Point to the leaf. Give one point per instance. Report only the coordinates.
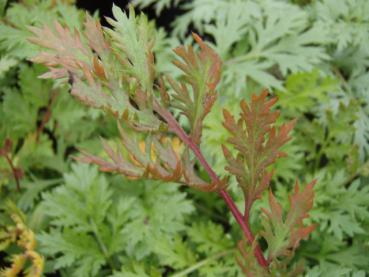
(84, 221)
(14, 33)
(209, 237)
(159, 5)
(202, 73)
(305, 90)
(346, 21)
(94, 68)
(136, 270)
(340, 210)
(175, 253)
(157, 160)
(6, 63)
(77, 249)
(283, 234)
(257, 142)
(135, 37)
(160, 212)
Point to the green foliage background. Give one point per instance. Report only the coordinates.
(313, 55)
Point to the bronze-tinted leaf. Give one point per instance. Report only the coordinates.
(257, 142)
(284, 233)
(195, 95)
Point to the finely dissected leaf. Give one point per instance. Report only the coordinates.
(194, 95)
(175, 253)
(94, 70)
(210, 237)
(346, 21)
(260, 41)
(202, 73)
(160, 212)
(159, 5)
(304, 90)
(284, 233)
(93, 67)
(257, 142)
(19, 15)
(340, 209)
(135, 37)
(83, 235)
(247, 261)
(157, 159)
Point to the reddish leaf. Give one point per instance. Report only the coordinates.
(257, 141)
(94, 70)
(155, 159)
(283, 234)
(202, 73)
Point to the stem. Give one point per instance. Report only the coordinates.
(202, 263)
(177, 129)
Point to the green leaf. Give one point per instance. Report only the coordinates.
(209, 237)
(135, 36)
(174, 253)
(306, 90)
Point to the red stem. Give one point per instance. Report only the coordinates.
(178, 130)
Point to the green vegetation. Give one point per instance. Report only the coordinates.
(149, 203)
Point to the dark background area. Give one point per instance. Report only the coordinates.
(104, 7)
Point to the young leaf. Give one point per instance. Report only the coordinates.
(283, 234)
(135, 37)
(202, 73)
(156, 159)
(257, 142)
(94, 68)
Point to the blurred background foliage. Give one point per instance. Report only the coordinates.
(313, 55)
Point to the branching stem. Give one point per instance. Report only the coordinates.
(178, 130)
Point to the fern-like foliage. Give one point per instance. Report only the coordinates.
(85, 241)
(137, 107)
(114, 70)
(19, 16)
(257, 142)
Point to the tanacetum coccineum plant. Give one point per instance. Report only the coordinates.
(114, 70)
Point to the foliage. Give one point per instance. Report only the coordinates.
(161, 124)
(79, 239)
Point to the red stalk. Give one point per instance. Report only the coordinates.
(178, 130)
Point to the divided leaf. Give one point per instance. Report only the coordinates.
(257, 142)
(202, 73)
(135, 36)
(156, 159)
(284, 233)
(93, 63)
(94, 68)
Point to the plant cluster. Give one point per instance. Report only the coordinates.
(202, 186)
